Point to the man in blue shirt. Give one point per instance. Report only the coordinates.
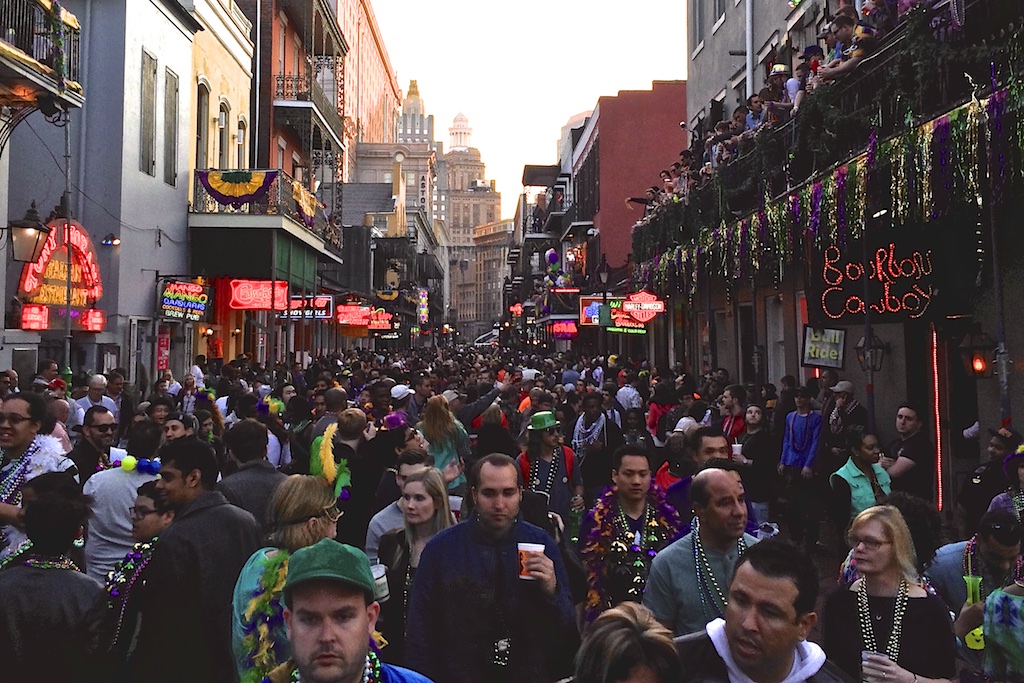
(799, 444)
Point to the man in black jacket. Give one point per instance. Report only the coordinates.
(252, 487)
(764, 634)
(186, 602)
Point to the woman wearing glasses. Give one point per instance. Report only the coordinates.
(27, 451)
(304, 510)
(151, 514)
(884, 627)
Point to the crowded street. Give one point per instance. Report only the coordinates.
(721, 387)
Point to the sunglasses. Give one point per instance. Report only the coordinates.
(103, 429)
(1005, 534)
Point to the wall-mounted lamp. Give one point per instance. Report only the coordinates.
(28, 236)
(209, 332)
(222, 119)
(111, 240)
(870, 353)
(237, 331)
(976, 351)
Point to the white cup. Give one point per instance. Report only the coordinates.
(737, 449)
(525, 550)
(381, 592)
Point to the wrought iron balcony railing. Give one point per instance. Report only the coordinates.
(34, 28)
(263, 192)
(304, 88)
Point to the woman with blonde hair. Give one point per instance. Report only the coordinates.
(426, 512)
(868, 625)
(448, 439)
(626, 643)
(303, 511)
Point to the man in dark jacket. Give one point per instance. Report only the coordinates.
(252, 487)
(472, 407)
(773, 577)
(481, 611)
(186, 602)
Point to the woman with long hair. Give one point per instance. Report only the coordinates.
(760, 458)
(665, 398)
(185, 399)
(492, 436)
(425, 512)
(634, 433)
(447, 437)
(299, 419)
(304, 510)
(279, 451)
(903, 632)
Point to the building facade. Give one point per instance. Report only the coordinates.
(491, 242)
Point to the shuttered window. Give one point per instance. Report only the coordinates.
(147, 123)
(170, 128)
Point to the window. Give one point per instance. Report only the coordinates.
(240, 145)
(718, 10)
(281, 145)
(170, 127)
(147, 123)
(202, 126)
(223, 137)
(697, 22)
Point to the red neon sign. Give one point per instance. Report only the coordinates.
(902, 290)
(85, 272)
(35, 317)
(93, 320)
(354, 315)
(380, 319)
(516, 309)
(254, 295)
(563, 329)
(643, 306)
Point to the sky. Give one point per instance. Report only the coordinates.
(520, 69)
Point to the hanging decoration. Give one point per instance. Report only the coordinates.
(305, 203)
(234, 188)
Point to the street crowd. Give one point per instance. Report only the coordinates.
(467, 516)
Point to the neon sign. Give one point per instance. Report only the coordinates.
(423, 306)
(44, 283)
(315, 307)
(353, 315)
(516, 309)
(643, 306)
(254, 295)
(563, 329)
(186, 301)
(632, 320)
(900, 284)
(380, 319)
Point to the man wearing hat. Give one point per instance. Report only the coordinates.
(330, 614)
(549, 467)
(845, 412)
(986, 482)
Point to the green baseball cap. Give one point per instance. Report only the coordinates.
(328, 560)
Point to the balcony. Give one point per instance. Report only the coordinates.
(252, 196)
(303, 91)
(39, 56)
(923, 68)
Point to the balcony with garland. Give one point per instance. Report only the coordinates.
(927, 128)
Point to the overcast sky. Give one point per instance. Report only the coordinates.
(520, 69)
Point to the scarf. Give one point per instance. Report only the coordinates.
(583, 436)
(835, 420)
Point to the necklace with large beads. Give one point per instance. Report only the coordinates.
(867, 629)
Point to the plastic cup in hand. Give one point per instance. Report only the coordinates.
(381, 592)
(525, 550)
(865, 677)
(737, 451)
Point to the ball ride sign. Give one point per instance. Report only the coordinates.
(823, 348)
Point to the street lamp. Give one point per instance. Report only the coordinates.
(602, 276)
(870, 352)
(28, 236)
(976, 352)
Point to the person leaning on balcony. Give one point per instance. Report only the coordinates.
(861, 38)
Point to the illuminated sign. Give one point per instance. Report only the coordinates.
(565, 290)
(186, 301)
(254, 295)
(380, 319)
(313, 307)
(44, 283)
(643, 306)
(626, 330)
(353, 315)
(423, 306)
(516, 309)
(563, 329)
(898, 284)
(35, 317)
(388, 335)
(823, 348)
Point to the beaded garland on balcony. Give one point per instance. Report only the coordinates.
(235, 188)
(940, 159)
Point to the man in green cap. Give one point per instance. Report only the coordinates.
(549, 467)
(330, 614)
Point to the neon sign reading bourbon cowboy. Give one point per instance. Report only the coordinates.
(902, 284)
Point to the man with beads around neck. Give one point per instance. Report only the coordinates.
(624, 532)
(689, 580)
(994, 554)
(330, 613)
